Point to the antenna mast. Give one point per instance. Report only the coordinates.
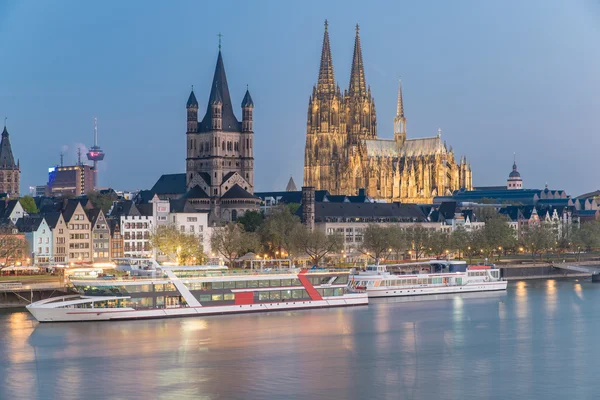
(95, 132)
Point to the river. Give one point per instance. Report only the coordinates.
(539, 340)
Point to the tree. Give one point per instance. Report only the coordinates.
(418, 238)
(587, 237)
(278, 231)
(497, 236)
(184, 248)
(232, 241)
(317, 244)
(538, 238)
(439, 242)
(103, 201)
(460, 240)
(28, 204)
(293, 207)
(378, 241)
(13, 246)
(252, 220)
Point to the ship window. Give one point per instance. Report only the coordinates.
(263, 283)
(229, 296)
(338, 291)
(160, 301)
(205, 297)
(263, 295)
(159, 287)
(320, 291)
(217, 285)
(275, 295)
(296, 282)
(297, 293)
(252, 284)
(275, 282)
(341, 280)
(217, 297)
(286, 294)
(324, 280)
(328, 292)
(286, 282)
(240, 284)
(229, 285)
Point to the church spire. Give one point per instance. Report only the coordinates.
(219, 95)
(6, 155)
(326, 83)
(357, 75)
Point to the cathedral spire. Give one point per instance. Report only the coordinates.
(326, 83)
(400, 120)
(400, 106)
(357, 75)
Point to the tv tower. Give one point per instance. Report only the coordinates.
(95, 153)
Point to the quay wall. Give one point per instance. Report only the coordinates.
(540, 271)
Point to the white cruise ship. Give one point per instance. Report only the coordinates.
(422, 279)
(159, 292)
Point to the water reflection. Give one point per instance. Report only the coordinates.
(537, 340)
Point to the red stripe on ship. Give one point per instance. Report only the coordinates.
(312, 292)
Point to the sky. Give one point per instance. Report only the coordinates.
(497, 77)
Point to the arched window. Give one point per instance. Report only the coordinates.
(223, 146)
(234, 215)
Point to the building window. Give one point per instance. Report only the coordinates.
(182, 228)
(234, 215)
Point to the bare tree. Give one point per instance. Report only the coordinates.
(317, 244)
(13, 246)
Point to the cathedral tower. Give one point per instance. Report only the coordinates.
(10, 172)
(325, 128)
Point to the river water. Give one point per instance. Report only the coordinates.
(539, 340)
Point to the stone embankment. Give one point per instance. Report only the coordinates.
(544, 270)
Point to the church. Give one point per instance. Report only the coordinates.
(343, 153)
(220, 152)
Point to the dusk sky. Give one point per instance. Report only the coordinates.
(496, 77)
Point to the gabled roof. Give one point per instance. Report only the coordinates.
(228, 175)
(7, 207)
(52, 219)
(447, 209)
(94, 214)
(170, 184)
(194, 193)
(220, 92)
(237, 192)
(29, 224)
(124, 208)
(145, 209)
(144, 196)
(113, 223)
(70, 208)
(181, 206)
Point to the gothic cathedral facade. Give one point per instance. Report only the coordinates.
(343, 153)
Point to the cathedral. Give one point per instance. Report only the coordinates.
(220, 151)
(10, 172)
(343, 153)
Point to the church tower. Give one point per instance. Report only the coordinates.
(325, 128)
(10, 173)
(400, 120)
(219, 147)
